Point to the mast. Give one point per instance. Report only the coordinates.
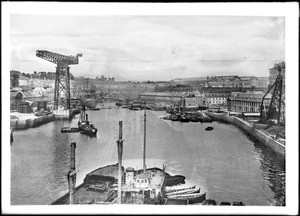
(144, 155)
(120, 151)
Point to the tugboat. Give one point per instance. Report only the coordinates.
(88, 129)
(85, 126)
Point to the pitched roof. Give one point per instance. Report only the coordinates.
(251, 96)
(246, 78)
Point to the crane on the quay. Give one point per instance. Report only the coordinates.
(273, 110)
(62, 78)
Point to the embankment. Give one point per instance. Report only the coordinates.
(251, 130)
(29, 122)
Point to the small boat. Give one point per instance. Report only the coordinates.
(192, 198)
(184, 119)
(209, 128)
(225, 204)
(175, 180)
(174, 189)
(188, 191)
(69, 130)
(209, 202)
(134, 108)
(95, 108)
(193, 119)
(238, 204)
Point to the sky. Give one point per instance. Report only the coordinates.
(141, 48)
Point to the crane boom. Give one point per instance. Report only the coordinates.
(58, 58)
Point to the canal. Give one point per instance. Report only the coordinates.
(224, 162)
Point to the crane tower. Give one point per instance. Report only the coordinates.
(275, 106)
(62, 78)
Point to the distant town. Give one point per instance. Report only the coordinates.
(235, 93)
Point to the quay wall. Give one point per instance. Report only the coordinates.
(249, 128)
(21, 124)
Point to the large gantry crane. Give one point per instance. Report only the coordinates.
(62, 78)
(273, 111)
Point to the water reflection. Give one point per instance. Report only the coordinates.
(273, 170)
(224, 162)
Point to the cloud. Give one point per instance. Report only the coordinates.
(150, 47)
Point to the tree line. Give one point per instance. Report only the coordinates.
(37, 75)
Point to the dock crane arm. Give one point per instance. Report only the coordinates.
(58, 58)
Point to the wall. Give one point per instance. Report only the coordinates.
(20, 124)
(62, 113)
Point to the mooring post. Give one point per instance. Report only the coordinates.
(120, 151)
(72, 174)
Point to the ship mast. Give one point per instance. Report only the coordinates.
(144, 155)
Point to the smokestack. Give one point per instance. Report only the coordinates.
(72, 174)
(120, 151)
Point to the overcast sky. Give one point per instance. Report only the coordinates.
(150, 47)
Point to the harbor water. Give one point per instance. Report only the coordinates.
(224, 162)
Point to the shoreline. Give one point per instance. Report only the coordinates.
(259, 135)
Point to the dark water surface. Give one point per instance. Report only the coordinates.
(224, 162)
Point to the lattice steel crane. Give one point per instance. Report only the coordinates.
(62, 78)
(274, 108)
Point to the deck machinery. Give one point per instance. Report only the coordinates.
(273, 110)
(62, 78)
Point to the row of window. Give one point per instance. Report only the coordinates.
(141, 181)
(246, 103)
(245, 109)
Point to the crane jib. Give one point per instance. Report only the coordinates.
(58, 58)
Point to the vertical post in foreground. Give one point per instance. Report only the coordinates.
(120, 151)
(144, 154)
(72, 174)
